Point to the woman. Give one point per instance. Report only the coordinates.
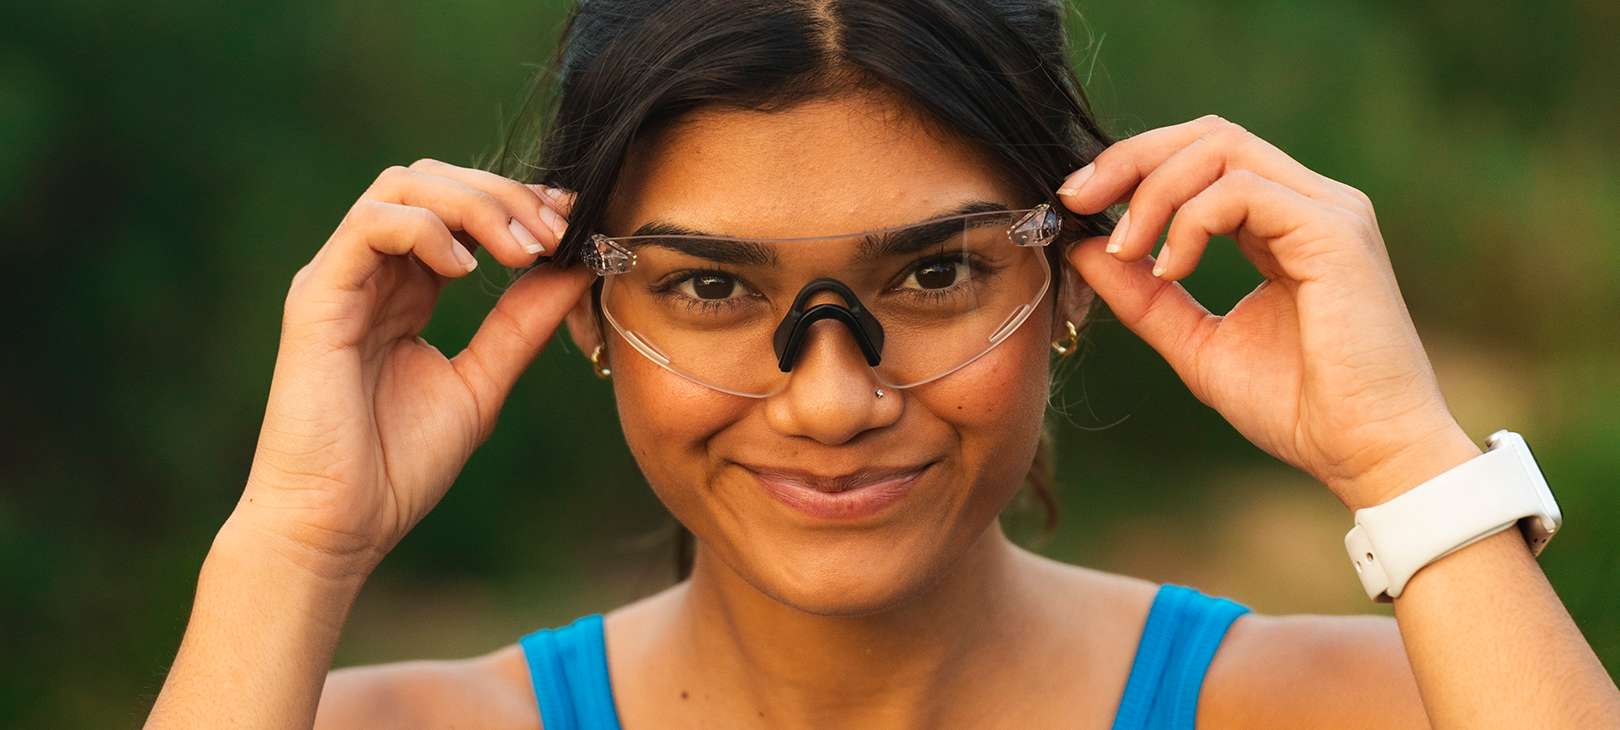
(840, 420)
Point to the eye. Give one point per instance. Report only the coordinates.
(936, 275)
(711, 286)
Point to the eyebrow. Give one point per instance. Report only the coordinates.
(703, 245)
(911, 238)
(921, 237)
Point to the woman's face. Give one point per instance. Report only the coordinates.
(824, 496)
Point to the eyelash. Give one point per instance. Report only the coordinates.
(667, 289)
(978, 268)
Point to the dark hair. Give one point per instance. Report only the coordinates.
(995, 73)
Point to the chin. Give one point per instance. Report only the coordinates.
(853, 573)
(823, 589)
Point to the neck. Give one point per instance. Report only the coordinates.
(891, 668)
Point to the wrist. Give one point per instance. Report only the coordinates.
(1417, 463)
(256, 535)
(263, 628)
(246, 565)
(1475, 500)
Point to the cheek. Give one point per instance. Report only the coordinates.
(996, 406)
(668, 421)
(997, 402)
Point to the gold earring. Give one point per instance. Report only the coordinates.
(1066, 346)
(598, 365)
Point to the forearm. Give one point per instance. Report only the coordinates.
(1493, 647)
(260, 640)
(1490, 644)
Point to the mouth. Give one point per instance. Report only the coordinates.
(847, 497)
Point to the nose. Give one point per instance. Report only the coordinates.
(831, 395)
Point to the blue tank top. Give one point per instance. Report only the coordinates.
(1184, 628)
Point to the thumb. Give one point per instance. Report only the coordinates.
(516, 331)
(1161, 312)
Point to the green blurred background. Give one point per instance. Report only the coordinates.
(166, 166)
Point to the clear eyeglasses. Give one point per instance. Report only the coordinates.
(919, 301)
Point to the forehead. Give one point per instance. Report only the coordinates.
(825, 167)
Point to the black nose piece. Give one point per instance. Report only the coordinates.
(866, 330)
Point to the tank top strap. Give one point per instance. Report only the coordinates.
(569, 669)
(568, 666)
(1184, 628)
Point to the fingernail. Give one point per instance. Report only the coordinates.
(1116, 240)
(1077, 180)
(1163, 261)
(553, 221)
(524, 238)
(557, 196)
(463, 256)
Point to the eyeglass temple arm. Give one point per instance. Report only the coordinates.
(865, 328)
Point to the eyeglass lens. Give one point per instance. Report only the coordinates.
(944, 291)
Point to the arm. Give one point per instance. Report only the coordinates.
(365, 428)
(1492, 645)
(1294, 672)
(491, 691)
(1321, 367)
(261, 635)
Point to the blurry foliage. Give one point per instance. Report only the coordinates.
(166, 166)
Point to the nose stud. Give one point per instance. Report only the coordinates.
(880, 392)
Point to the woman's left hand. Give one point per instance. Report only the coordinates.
(1320, 365)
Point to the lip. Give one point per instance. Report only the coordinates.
(848, 497)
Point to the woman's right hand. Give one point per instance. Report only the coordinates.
(367, 424)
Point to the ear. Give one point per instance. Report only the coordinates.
(1074, 302)
(582, 322)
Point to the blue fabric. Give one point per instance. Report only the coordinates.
(1184, 628)
(570, 674)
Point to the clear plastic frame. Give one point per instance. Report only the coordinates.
(719, 310)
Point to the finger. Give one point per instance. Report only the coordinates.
(374, 230)
(558, 199)
(1115, 176)
(1216, 210)
(540, 224)
(517, 330)
(1110, 177)
(461, 207)
(1285, 234)
(1161, 312)
(1198, 165)
(559, 206)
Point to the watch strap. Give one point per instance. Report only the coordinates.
(1477, 499)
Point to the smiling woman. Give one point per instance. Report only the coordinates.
(954, 447)
(827, 248)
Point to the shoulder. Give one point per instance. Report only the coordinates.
(491, 692)
(1311, 672)
(1294, 672)
(1098, 593)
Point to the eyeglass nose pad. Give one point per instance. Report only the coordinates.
(790, 334)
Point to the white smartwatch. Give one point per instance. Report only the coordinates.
(1483, 496)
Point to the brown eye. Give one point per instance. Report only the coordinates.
(937, 275)
(710, 286)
